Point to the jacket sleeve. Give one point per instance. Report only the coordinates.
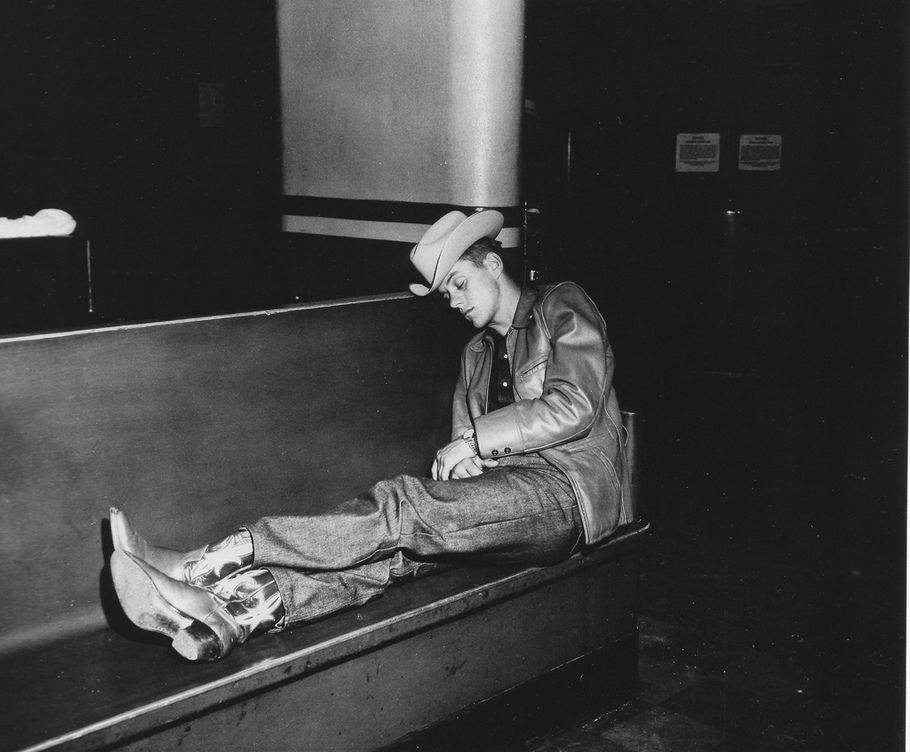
(579, 372)
(461, 417)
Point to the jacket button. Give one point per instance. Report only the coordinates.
(494, 452)
(507, 450)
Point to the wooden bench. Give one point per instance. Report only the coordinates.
(195, 427)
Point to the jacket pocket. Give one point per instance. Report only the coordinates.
(532, 369)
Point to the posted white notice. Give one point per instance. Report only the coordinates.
(697, 152)
(758, 152)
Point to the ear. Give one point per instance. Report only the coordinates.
(493, 262)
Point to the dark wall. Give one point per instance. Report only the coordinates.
(684, 281)
(183, 219)
(766, 350)
(104, 121)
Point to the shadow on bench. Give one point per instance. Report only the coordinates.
(197, 426)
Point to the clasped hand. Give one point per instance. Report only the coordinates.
(457, 460)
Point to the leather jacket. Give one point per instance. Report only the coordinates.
(565, 406)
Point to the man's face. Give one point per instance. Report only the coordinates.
(473, 290)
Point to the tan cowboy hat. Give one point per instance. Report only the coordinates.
(442, 245)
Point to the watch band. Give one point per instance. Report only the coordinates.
(468, 438)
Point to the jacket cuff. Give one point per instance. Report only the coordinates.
(498, 434)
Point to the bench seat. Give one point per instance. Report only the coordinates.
(361, 679)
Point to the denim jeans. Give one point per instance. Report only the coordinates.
(522, 512)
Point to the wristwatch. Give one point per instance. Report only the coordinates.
(468, 437)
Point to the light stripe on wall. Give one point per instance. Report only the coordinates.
(404, 232)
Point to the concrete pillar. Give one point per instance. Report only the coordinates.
(485, 105)
(398, 104)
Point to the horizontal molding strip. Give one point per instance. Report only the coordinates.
(404, 212)
(291, 307)
(402, 232)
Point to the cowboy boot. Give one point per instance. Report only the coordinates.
(203, 566)
(204, 625)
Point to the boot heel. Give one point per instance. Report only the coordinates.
(198, 642)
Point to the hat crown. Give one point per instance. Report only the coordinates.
(442, 228)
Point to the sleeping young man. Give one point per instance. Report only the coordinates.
(534, 470)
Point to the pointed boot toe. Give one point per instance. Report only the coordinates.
(165, 560)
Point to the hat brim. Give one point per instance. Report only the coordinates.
(484, 224)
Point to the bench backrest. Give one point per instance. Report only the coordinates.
(195, 427)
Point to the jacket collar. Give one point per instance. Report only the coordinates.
(524, 315)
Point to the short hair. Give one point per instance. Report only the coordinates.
(480, 249)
